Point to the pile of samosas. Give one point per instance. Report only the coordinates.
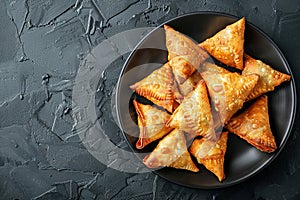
(194, 98)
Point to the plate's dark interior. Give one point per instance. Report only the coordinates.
(241, 160)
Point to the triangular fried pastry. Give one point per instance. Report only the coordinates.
(178, 45)
(151, 122)
(269, 78)
(194, 115)
(185, 56)
(171, 151)
(227, 45)
(228, 91)
(211, 154)
(157, 87)
(253, 126)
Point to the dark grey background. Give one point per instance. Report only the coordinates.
(41, 155)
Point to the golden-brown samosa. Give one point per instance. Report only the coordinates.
(253, 125)
(211, 154)
(227, 45)
(184, 55)
(269, 78)
(171, 151)
(228, 91)
(194, 114)
(157, 87)
(151, 122)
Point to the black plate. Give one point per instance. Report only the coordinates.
(242, 160)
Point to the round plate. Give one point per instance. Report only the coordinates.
(241, 160)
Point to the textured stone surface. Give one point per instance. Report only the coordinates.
(43, 44)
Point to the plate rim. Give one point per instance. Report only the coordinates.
(293, 102)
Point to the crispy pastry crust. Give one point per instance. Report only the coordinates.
(171, 151)
(185, 56)
(269, 78)
(151, 122)
(253, 126)
(157, 87)
(194, 115)
(178, 45)
(228, 44)
(211, 154)
(228, 91)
